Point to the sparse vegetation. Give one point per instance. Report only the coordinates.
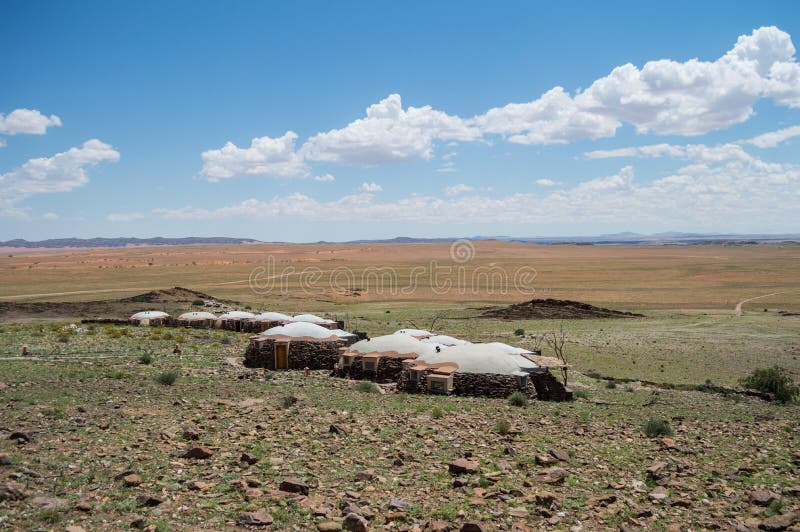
(437, 413)
(654, 428)
(503, 426)
(775, 380)
(145, 358)
(364, 387)
(518, 399)
(167, 378)
(519, 332)
(198, 303)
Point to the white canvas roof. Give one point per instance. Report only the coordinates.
(272, 316)
(414, 332)
(301, 330)
(149, 315)
(477, 358)
(237, 315)
(398, 343)
(310, 318)
(197, 316)
(443, 339)
(510, 349)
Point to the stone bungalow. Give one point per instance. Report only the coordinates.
(196, 320)
(234, 320)
(151, 318)
(265, 320)
(297, 345)
(380, 359)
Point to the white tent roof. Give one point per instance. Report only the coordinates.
(510, 349)
(237, 315)
(477, 358)
(197, 316)
(414, 332)
(301, 330)
(310, 318)
(443, 339)
(272, 316)
(392, 342)
(149, 315)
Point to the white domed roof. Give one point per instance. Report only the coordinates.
(237, 315)
(476, 358)
(272, 316)
(443, 339)
(398, 343)
(510, 349)
(310, 318)
(300, 330)
(149, 315)
(342, 334)
(197, 316)
(414, 332)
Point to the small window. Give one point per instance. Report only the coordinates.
(522, 381)
(413, 376)
(437, 386)
(345, 361)
(369, 366)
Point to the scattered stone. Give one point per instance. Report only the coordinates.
(459, 482)
(545, 460)
(462, 466)
(21, 437)
(354, 523)
(399, 504)
(546, 499)
(191, 434)
(779, 522)
(5, 460)
(259, 518)
(293, 485)
(520, 512)
(49, 503)
(656, 470)
(659, 493)
(148, 500)
(248, 458)
(336, 429)
(75, 528)
(558, 454)
(552, 475)
(132, 480)
(601, 500)
(199, 453)
(289, 401)
(365, 476)
(12, 491)
(329, 526)
(763, 497)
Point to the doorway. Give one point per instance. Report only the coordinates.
(281, 356)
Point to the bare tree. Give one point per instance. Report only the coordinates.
(432, 324)
(556, 340)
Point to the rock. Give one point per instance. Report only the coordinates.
(190, 433)
(49, 503)
(5, 460)
(601, 500)
(253, 493)
(21, 437)
(293, 485)
(12, 491)
(148, 500)
(199, 485)
(75, 528)
(132, 480)
(438, 526)
(545, 499)
(656, 470)
(354, 523)
(462, 466)
(289, 401)
(248, 458)
(329, 526)
(399, 504)
(558, 454)
(365, 476)
(659, 493)
(459, 482)
(336, 429)
(472, 527)
(199, 453)
(551, 475)
(545, 460)
(138, 522)
(520, 512)
(763, 497)
(259, 518)
(395, 516)
(779, 522)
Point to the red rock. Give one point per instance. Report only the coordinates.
(558, 454)
(462, 465)
(132, 480)
(293, 485)
(354, 523)
(552, 475)
(763, 497)
(259, 518)
(199, 453)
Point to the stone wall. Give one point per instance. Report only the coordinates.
(260, 353)
(548, 387)
(257, 326)
(388, 370)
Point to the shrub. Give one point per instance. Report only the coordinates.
(581, 394)
(518, 399)
(63, 339)
(226, 340)
(593, 375)
(656, 427)
(179, 338)
(145, 358)
(167, 378)
(166, 335)
(364, 386)
(437, 412)
(117, 374)
(198, 303)
(503, 426)
(775, 380)
(519, 332)
(611, 385)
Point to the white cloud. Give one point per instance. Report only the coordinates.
(27, 121)
(60, 173)
(458, 189)
(388, 134)
(773, 138)
(124, 216)
(694, 152)
(49, 216)
(324, 178)
(371, 187)
(266, 156)
(664, 97)
(547, 182)
(448, 166)
(2, 143)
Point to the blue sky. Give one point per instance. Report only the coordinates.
(505, 118)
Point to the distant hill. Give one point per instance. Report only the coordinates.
(121, 242)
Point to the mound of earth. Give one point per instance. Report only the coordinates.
(172, 295)
(554, 309)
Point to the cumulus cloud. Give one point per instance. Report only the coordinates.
(50, 216)
(2, 143)
(60, 173)
(695, 152)
(124, 216)
(266, 156)
(773, 138)
(547, 182)
(388, 134)
(664, 97)
(371, 187)
(458, 189)
(324, 178)
(448, 166)
(27, 121)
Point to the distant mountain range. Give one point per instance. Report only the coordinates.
(121, 242)
(627, 238)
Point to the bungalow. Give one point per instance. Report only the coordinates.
(152, 318)
(234, 320)
(265, 320)
(297, 345)
(322, 322)
(196, 320)
(380, 359)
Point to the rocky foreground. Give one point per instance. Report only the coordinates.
(94, 442)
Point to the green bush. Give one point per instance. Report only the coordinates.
(519, 332)
(775, 380)
(611, 385)
(503, 426)
(437, 412)
(581, 394)
(198, 302)
(117, 374)
(656, 427)
(167, 378)
(518, 399)
(364, 386)
(145, 358)
(226, 340)
(63, 339)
